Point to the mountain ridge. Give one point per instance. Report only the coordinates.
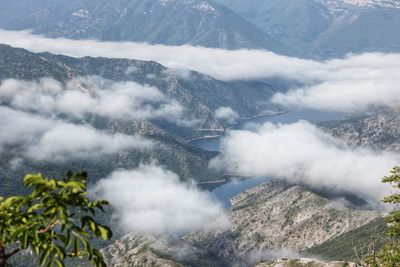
(169, 22)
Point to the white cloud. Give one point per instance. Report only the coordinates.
(45, 139)
(348, 79)
(226, 114)
(151, 199)
(302, 153)
(89, 95)
(344, 95)
(64, 141)
(222, 64)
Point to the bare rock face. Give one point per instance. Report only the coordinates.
(380, 131)
(135, 251)
(276, 216)
(157, 251)
(305, 263)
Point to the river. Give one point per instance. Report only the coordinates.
(226, 191)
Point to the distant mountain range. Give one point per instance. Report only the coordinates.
(170, 22)
(306, 28)
(326, 28)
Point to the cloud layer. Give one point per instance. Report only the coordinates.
(226, 114)
(89, 95)
(302, 153)
(51, 140)
(345, 95)
(151, 199)
(355, 82)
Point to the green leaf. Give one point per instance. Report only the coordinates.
(105, 232)
(25, 238)
(59, 263)
(33, 179)
(44, 257)
(69, 239)
(76, 246)
(75, 185)
(35, 208)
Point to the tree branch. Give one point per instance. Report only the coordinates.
(49, 227)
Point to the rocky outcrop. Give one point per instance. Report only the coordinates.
(380, 131)
(135, 251)
(271, 221)
(306, 263)
(138, 250)
(276, 216)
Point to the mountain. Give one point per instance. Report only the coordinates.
(198, 94)
(306, 262)
(326, 28)
(170, 22)
(138, 250)
(342, 247)
(189, 162)
(380, 130)
(271, 221)
(276, 219)
(293, 22)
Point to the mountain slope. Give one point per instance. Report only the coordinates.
(380, 130)
(293, 22)
(199, 94)
(326, 28)
(271, 221)
(137, 250)
(342, 247)
(187, 161)
(171, 22)
(275, 216)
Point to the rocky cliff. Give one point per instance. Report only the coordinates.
(271, 221)
(380, 130)
(306, 263)
(272, 218)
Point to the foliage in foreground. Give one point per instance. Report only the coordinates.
(389, 255)
(55, 221)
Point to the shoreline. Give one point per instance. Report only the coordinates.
(221, 181)
(233, 126)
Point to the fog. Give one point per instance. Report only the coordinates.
(94, 95)
(302, 153)
(352, 83)
(226, 114)
(46, 139)
(153, 200)
(345, 95)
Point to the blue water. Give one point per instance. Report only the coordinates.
(228, 190)
(312, 116)
(225, 192)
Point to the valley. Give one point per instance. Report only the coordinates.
(223, 133)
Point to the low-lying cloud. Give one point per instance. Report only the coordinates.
(355, 82)
(344, 95)
(151, 199)
(303, 153)
(51, 140)
(89, 95)
(226, 114)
